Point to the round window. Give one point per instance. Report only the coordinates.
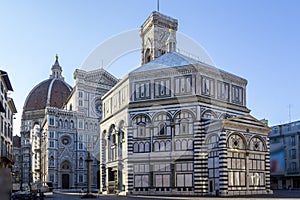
(65, 140)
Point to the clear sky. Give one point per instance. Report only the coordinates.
(256, 39)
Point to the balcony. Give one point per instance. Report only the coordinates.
(6, 157)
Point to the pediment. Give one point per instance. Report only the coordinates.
(246, 122)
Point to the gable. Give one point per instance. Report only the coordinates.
(247, 122)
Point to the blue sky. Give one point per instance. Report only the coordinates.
(258, 40)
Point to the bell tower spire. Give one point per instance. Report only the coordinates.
(154, 34)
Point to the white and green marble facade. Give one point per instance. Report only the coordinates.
(169, 127)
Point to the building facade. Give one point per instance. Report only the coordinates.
(72, 132)
(177, 126)
(17, 167)
(7, 111)
(285, 160)
(60, 125)
(53, 92)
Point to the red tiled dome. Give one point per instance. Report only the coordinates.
(51, 92)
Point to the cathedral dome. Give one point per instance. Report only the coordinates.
(51, 92)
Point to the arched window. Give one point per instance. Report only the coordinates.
(60, 123)
(256, 144)
(156, 146)
(183, 123)
(147, 56)
(114, 141)
(147, 147)
(141, 126)
(184, 145)
(162, 129)
(80, 162)
(162, 146)
(51, 161)
(66, 124)
(236, 141)
(178, 145)
(141, 147)
(190, 144)
(213, 142)
(141, 130)
(162, 124)
(135, 147)
(168, 146)
(184, 126)
(72, 124)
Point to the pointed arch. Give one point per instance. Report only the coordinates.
(66, 165)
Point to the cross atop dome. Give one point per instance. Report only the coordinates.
(56, 60)
(56, 70)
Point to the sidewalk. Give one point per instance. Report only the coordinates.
(278, 195)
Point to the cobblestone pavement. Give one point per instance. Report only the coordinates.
(279, 194)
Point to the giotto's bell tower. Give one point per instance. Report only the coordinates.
(154, 34)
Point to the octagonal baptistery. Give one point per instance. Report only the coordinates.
(51, 92)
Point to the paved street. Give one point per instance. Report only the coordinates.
(279, 194)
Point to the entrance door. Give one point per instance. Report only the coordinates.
(65, 181)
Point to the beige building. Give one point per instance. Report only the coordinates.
(178, 126)
(7, 111)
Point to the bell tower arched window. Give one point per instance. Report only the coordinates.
(147, 56)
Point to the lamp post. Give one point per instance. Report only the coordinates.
(89, 146)
(89, 160)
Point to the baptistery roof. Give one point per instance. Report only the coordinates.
(51, 92)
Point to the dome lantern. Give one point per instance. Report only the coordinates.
(56, 70)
